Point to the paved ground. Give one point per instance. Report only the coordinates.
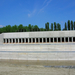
(11, 67)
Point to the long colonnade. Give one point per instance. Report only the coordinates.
(39, 40)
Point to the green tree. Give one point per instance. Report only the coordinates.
(65, 26)
(29, 27)
(71, 25)
(8, 28)
(14, 28)
(46, 26)
(51, 26)
(54, 26)
(35, 28)
(58, 26)
(74, 25)
(20, 28)
(68, 24)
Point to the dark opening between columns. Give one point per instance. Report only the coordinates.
(40, 40)
(58, 39)
(23, 40)
(36, 40)
(70, 39)
(73, 39)
(51, 39)
(19, 40)
(16, 40)
(33, 40)
(55, 39)
(62, 39)
(44, 40)
(48, 40)
(66, 39)
(26, 40)
(3, 40)
(13, 40)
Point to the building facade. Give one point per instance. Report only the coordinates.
(38, 37)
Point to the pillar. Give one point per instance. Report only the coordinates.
(31, 40)
(12, 40)
(35, 40)
(8, 40)
(5, 40)
(64, 39)
(72, 39)
(42, 40)
(18, 40)
(46, 39)
(68, 39)
(15, 40)
(57, 39)
(39, 40)
(28, 40)
(53, 39)
(24, 40)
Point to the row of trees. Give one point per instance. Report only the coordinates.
(69, 25)
(53, 27)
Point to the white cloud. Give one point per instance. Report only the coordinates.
(32, 13)
(46, 3)
(1, 26)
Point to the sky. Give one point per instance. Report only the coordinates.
(36, 12)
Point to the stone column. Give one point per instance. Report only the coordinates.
(24, 40)
(68, 39)
(53, 39)
(46, 39)
(31, 40)
(9, 40)
(72, 39)
(28, 40)
(18, 40)
(42, 40)
(64, 39)
(5, 40)
(39, 40)
(15, 40)
(12, 40)
(35, 40)
(57, 39)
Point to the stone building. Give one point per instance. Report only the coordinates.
(37, 37)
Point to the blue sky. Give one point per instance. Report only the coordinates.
(36, 12)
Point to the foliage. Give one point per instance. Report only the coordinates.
(31, 28)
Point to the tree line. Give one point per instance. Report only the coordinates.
(70, 25)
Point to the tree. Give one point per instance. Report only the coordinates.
(68, 24)
(52, 26)
(74, 25)
(20, 28)
(58, 26)
(29, 27)
(47, 26)
(65, 26)
(14, 28)
(41, 29)
(35, 28)
(71, 25)
(8, 28)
